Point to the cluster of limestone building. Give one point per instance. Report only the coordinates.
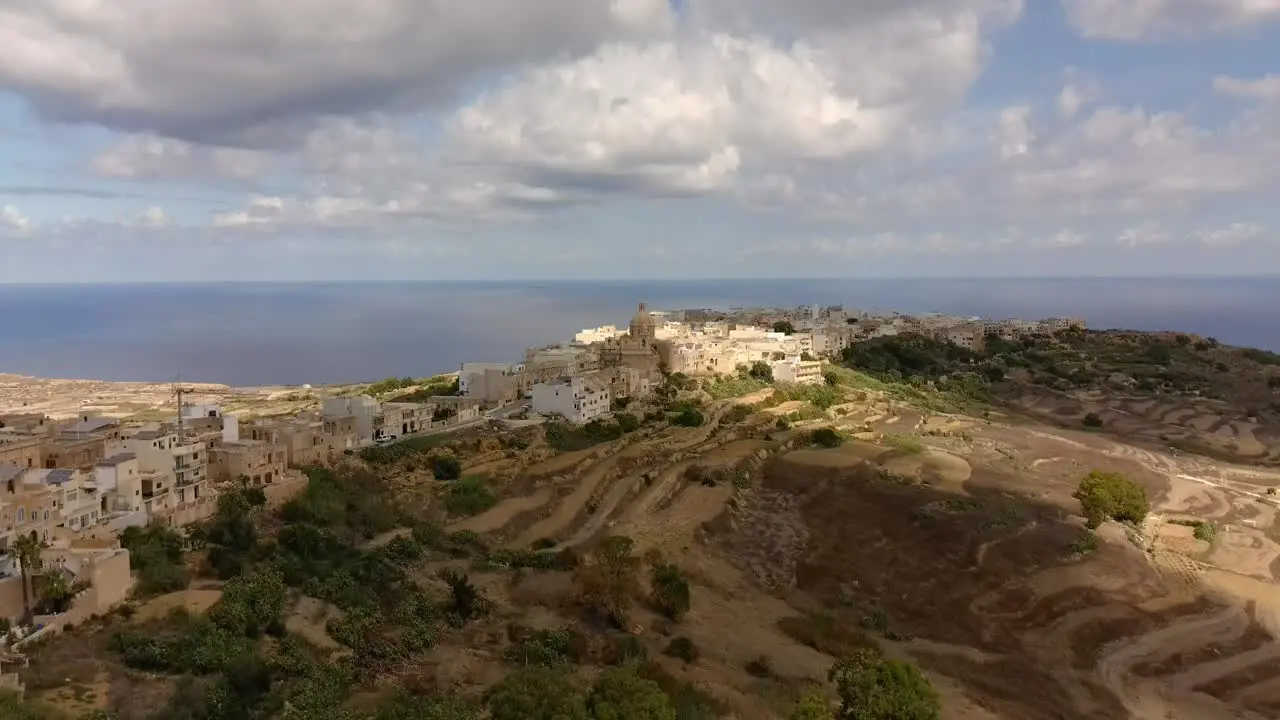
(76, 484)
(579, 380)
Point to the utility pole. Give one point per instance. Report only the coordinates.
(178, 390)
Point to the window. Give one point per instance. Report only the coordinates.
(22, 514)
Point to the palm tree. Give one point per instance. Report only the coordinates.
(26, 551)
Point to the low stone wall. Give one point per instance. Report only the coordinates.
(279, 493)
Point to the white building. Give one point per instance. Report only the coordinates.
(491, 382)
(590, 336)
(577, 399)
(796, 371)
(362, 407)
(76, 494)
(166, 463)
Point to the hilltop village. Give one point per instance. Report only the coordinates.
(74, 484)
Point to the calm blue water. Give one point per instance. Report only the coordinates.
(258, 334)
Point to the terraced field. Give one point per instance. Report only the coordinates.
(963, 550)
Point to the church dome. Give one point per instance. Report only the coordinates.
(642, 324)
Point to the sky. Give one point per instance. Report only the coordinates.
(152, 140)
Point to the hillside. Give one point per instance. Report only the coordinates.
(740, 550)
(1165, 390)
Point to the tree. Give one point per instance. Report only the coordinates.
(536, 694)
(807, 356)
(1105, 495)
(26, 552)
(621, 694)
(784, 326)
(873, 687)
(1091, 420)
(231, 534)
(611, 579)
(760, 370)
(54, 591)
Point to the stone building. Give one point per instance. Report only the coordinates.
(638, 350)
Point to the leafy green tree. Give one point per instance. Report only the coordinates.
(54, 592)
(761, 370)
(621, 694)
(536, 694)
(1105, 495)
(231, 534)
(156, 556)
(811, 706)
(873, 687)
(26, 552)
(784, 326)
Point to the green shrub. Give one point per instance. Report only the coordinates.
(1105, 495)
(536, 694)
(545, 648)
(904, 443)
(1085, 544)
(735, 386)
(826, 437)
(760, 667)
(670, 591)
(627, 422)
(156, 556)
(683, 648)
(689, 417)
(446, 467)
(873, 687)
(623, 694)
(469, 496)
(811, 706)
(1206, 531)
(1091, 420)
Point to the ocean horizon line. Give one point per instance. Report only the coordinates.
(642, 280)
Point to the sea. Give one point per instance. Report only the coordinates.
(251, 334)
